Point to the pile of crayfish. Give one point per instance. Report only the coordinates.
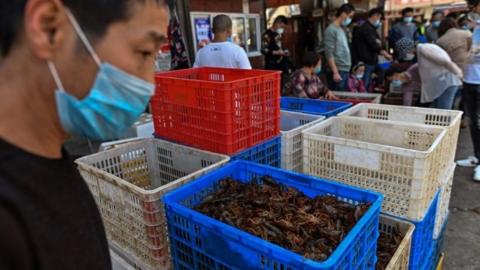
(311, 227)
(387, 245)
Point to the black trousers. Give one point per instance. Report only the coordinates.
(471, 103)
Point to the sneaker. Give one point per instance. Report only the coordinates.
(476, 174)
(471, 161)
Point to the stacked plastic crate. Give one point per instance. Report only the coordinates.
(405, 153)
(228, 111)
(127, 183)
(201, 242)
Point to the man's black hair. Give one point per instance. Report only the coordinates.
(406, 10)
(310, 59)
(473, 3)
(375, 11)
(345, 8)
(281, 19)
(94, 16)
(438, 12)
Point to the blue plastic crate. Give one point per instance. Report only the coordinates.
(422, 238)
(385, 65)
(200, 242)
(326, 108)
(266, 153)
(437, 248)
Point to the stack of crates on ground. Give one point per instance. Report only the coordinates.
(390, 226)
(356, 98)
(400, 160)
(325, 108)
(448, 119)
(291, 126)
(127, 183)
(221, 110)
(200, 242)
(227, 111)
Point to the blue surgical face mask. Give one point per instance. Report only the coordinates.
(377, 24)
(317, 70)
(114, 103)
(396, 83)
(229, 39)
(436, 24)
(347, 21)
(408, 19)
(466, 27)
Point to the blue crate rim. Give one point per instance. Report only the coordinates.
(342, 105)
(273, 247)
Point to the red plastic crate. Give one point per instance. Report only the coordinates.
(217, 109)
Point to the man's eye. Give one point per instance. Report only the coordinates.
(146, 54)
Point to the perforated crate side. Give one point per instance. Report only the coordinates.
(291, 126)
(422, 239)
(449, 119)
(439, 242)
(401, 257)
(399, 160)
(217, 109)
(444, 200)
(326, 108)
(200, 242)
(267, 153)
(127, 183)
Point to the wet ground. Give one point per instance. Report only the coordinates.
(462, 243)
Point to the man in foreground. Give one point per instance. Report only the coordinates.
(82, 67)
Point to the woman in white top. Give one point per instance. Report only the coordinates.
(440, 76)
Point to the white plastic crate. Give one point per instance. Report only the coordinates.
(445, 118)
(142, 128)
(401, 258)
(444, 200)
(291, 126)
(368, 97)
(127, 183)
(119, 263)
(399, 160)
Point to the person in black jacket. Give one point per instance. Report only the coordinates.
(367, 44)
(80, 67)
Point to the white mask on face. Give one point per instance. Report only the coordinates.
(280, 31)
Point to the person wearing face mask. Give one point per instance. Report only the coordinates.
(221, 52)
(366, 45)
(464, 23)
(272, 49)
(405, 28)
(456, 42)
(355, 80)
(305, 82)
(405, 49)
(72, 67)
(432, 30)
(337, 49)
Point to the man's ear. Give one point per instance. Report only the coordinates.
(44, 26)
